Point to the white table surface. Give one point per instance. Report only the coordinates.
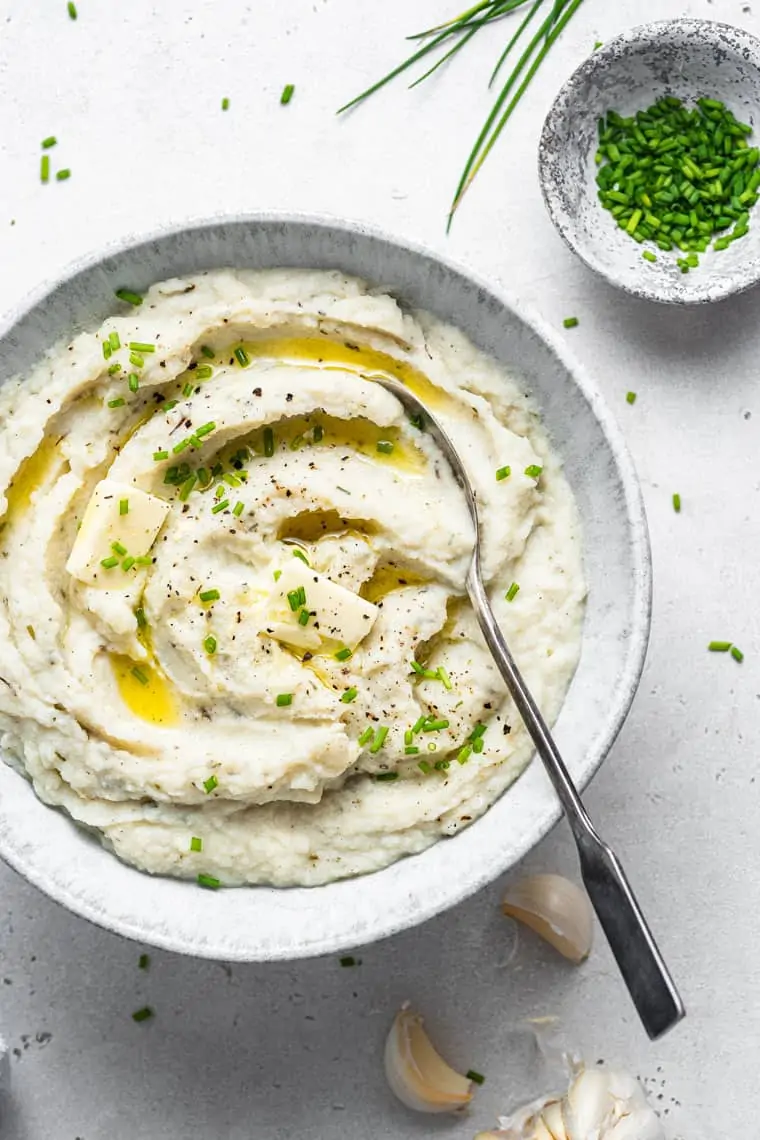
(133, 91)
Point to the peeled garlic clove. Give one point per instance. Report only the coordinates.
(588, 1105)
(557, 910)
(417, 1075)
(554, 1122)
(641, 1124)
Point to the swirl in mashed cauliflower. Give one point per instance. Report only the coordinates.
(235, 639)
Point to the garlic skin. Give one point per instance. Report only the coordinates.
(417, 1074)
(557, 910)
(598, 1105)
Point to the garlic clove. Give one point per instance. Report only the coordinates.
(417, 1074)
(588, 1105)
(640, 1124)
(557, 910)
(554, 1121)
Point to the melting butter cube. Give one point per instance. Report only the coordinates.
(335, 613)
(119, 517)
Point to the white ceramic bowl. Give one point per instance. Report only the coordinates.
(690, 59)
(260, 923)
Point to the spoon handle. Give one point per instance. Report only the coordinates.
(643, 969)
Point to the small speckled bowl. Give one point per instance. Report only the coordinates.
(690, 59)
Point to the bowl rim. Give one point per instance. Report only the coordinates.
(414, 909)
(639, 36)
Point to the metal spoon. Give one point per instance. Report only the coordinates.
(639, 960)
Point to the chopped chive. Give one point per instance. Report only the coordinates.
(649, 256)
(630, 397)
(349, 695)
(444, 677)
(424, 767)
(294, 600)
(512, 592)
(297, 553)
(146, 1012)
(207, 352)
(209, 882)
(180, 447)
(225, 104)
(138, 675)
(196, 843)
(221, 506)
(379, 739)
(230, 479)
(417, 421)
(476, 1078)
(141, 346)
(719, 646)
(463, 755)
(283, 700)
(143, 962)
(144, 560)
(435, 725)
(137, 359)
(209, 784)
(384, 446)
(133, 381)
(418, 725)
(203, 372)
(205, 429)
(317, 433)
(477, 745)
(113, 369)
(503, 473)
(303, 617)
(737, 654)
(63, 175)
(348, 961)
(128, 296)
(411, 750)
(386, 775)
(45, 168)
(123, 506)
(115, 341)
(287, 94)
(209, 644)
(677, 503)
(416, 667)
(203, 477)
(159, 455)
(237, 510)
(408, 737)
(366, 736)
(478, 731)
(128, 563)
(110, 562)
(277, 575)
(343, 654)
(188, 390)
(268, 442)
(142, 621)
(119, 402)
(442, 765)
(107, 350)
(242, 356)
(570, 322)
(210, 595)
(51, 140)
(533, 471)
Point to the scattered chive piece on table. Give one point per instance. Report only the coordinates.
(143, 962)
(45, 168)
(225, 104)
(209, 644)
(51, 140)
(533, 471)
(349, 695)
(209, 882)
(737, 654)
(146, 1012)
(630, 397)
(128, 297)
(349, 960)
(719, 646)
(476, 1078)
(649, 256)
(597, 45)
(570, 322)
(512, 592)
(210, 784)
(680, 178)
(196, 843)
(677, 503)
(287, 93)
(503, 473)
(63, 175)
(283, 700)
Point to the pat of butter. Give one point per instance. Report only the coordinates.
(336, 614)
(107, 523)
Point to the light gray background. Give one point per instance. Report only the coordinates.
(133, 92)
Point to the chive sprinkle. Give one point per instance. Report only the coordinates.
(677, 503)
(208, 352)
(221, 506)
(424, 767)
(133, 381)
(294, 600)
(512, 592)
(45, 168)
(107, 350)
(287, 94)
(297, 553)
(140, 617)
(51, 140)
(196, 843)
(137, 359)
(463, 755)
(159, 455)
(385, 776)
(205, 429)
(570, 322)
(283, 700)
(349, 695)
(138, 675)
(209, 644)
(63, 175)
(384, 446)
(209, 882)
(379, 739)
(366, 736)
(418, 725)
(123, 506)
(128, 296)
(649, 256)
(476, 1078)
(210, 595)
(411, 750)
(719, 646)
(128, 563)
(188, 390)
(630, 397)
(113, 369)
(143, 560)
(110, 562)
(146, 1012)
(503, 473)
(143, 962)
(533, 471)
(303, 617)
(268, 442)
(242, 356)
(318, 433)
(277, 574)
(119, 402)
(444, 678)
(210, 784)
(225, 104)
(115, 341)
(348, 961)
(237, 510)
(737, 654)
(343, 654)
(435, 725)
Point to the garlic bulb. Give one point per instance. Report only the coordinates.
(598, 1105)
(417, 1074)
(557, 910)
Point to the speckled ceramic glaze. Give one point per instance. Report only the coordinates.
(264, 923)
(686, 58)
